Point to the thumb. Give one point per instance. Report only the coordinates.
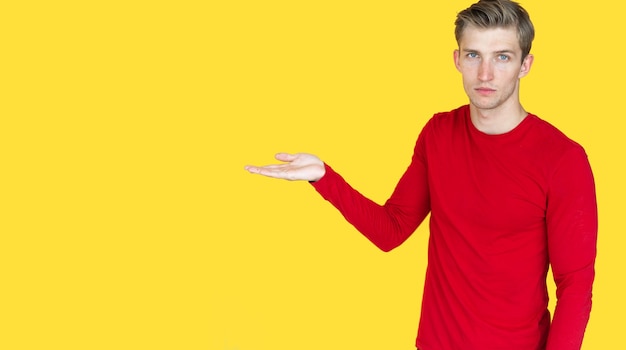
(285, 157)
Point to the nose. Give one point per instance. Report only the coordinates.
(485, 71)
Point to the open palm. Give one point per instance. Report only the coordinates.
(299, 166)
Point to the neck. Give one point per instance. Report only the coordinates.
(498, 120)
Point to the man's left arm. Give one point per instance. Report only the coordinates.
(572, 223)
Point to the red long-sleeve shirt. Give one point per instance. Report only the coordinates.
(503, 207)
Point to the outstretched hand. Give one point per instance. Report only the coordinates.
(299, 166)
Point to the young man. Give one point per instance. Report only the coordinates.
(508, 195)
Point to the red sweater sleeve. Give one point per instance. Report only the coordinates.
(572, 225)
(388, 225)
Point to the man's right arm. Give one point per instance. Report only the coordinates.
(390, 224)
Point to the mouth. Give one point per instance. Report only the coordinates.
(485, 91)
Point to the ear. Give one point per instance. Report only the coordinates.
(526, 64)
(457, 62)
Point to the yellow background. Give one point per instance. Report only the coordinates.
(128, 222)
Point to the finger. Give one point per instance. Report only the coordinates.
(285, 157)
(272, 172)
(256, 168)
(276, 166)
(251, 168)
(278, 171)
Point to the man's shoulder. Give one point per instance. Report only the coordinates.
(449, 118)
(551, 135)
(550, 144)
(456, 113)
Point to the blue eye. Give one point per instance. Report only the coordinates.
(472, 55)
(503, 57)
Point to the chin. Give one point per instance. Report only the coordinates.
(485, 105)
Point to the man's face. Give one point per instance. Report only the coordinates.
(490, 61)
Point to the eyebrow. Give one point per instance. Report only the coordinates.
(506, 51)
